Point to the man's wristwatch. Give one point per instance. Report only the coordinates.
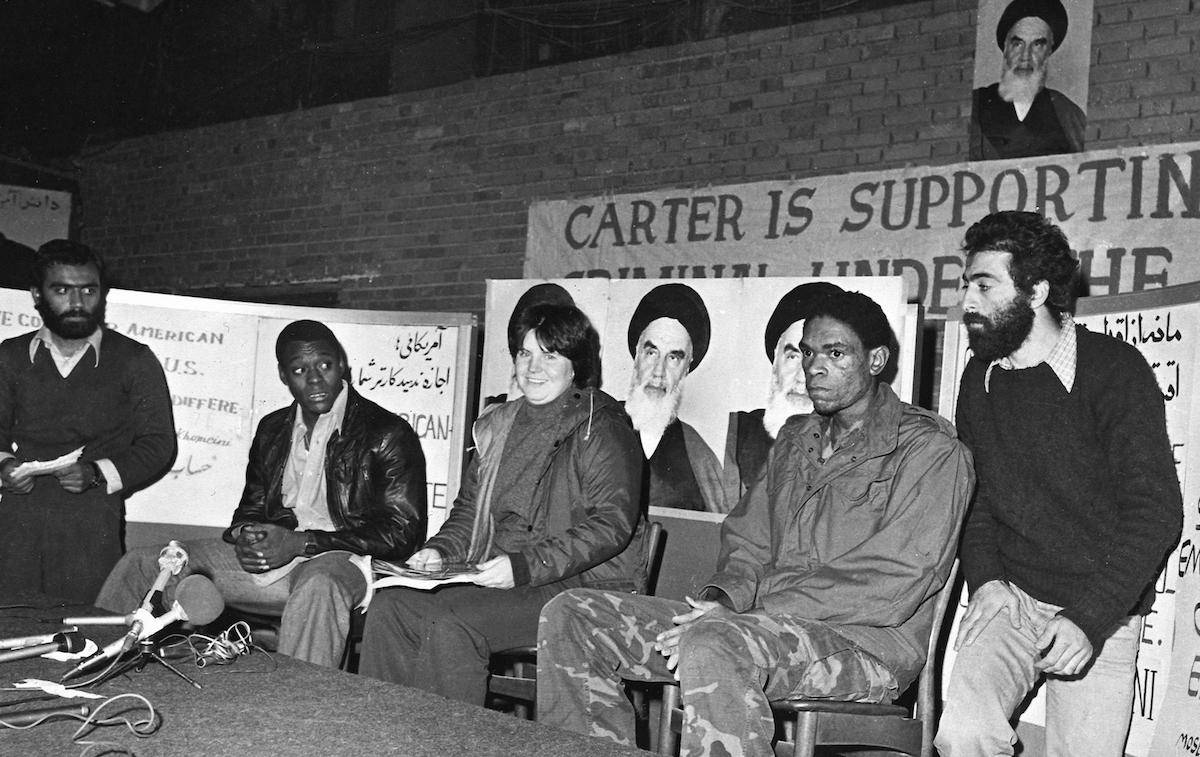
(310, 545)
(98, 478)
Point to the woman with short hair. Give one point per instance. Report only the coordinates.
(549, 502)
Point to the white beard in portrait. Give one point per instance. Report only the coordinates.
(652, 406)
(788, 397)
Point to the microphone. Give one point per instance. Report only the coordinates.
(196, 599)
(171, 560)
(96, 620)
(17, 642)
(31, 717)
(68, 641)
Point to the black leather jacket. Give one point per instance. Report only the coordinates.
(374, 471)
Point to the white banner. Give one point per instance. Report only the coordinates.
(219, 358)
(1130, 213)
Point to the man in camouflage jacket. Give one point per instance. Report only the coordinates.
(827, 575)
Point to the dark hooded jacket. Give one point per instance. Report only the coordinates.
(586, 499)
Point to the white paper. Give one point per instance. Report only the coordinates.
(42, 467)
(51, 687)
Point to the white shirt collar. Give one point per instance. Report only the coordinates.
(304, 485)
(326, 423)
(44, 335)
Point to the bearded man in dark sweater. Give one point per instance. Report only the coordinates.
(74, 385)
(1076, 506)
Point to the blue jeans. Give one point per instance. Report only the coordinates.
(1086, 715)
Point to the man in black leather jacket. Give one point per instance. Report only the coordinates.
(330, 476)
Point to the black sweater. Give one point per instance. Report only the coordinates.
(118, 408)
(1078, 499)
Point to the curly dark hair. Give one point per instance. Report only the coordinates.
(566, 330)
(861, 313)
(65, 252)
(306, 331)
(1039, 250)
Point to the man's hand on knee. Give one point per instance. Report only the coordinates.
(667, 642)
(986, 602)
(263, 546)
(1067, 649)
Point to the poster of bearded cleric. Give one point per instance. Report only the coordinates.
(1031, 78)
(708, 369)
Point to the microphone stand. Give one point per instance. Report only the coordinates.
(148, 651)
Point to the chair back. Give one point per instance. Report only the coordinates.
(689, 556)
(654, 549)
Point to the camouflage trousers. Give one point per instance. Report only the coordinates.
(730, 667)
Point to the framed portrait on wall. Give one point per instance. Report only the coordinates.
(1032, 59)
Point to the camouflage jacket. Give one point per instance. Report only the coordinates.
(862, 540)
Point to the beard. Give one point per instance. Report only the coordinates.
(783, 403)
(79, 328)
(1021, 86)
(1002, 334)
(652, 410)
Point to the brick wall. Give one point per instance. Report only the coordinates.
(411, 201)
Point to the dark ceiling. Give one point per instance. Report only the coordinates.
(64, 66)
(77, 74)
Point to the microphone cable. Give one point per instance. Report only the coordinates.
(140, 728)
(223, 649)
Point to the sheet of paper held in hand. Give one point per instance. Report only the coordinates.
(380, 574)
(42, 467)
(391, 574)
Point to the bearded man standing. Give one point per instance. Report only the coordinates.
(74, 385)
(668, 336)
(1019, 116)
(1076, 506)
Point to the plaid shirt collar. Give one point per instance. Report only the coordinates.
(1062, 358)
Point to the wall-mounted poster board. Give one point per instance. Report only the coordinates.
(734, 375)
(33, 216)
(219, 358)
(1165, 325)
